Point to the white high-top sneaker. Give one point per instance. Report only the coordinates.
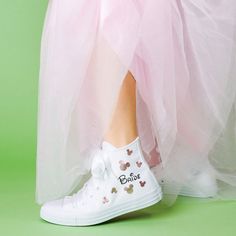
(202, 184)
(121, 182)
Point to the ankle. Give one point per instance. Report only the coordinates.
(122, 140)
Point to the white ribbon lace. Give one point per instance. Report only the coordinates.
(99, 167)
(100, 164)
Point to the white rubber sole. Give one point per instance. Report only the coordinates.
(189, 192)
(192, 193)
(109, 213)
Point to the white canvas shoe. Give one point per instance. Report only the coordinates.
(202, 184)
(121, 182)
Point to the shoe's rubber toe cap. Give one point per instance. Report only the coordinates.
(52, 210)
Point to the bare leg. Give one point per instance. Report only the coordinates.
(123, 129)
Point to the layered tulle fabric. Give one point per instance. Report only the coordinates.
(182, 55)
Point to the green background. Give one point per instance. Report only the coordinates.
(20, 34)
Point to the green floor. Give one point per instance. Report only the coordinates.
(19, 214)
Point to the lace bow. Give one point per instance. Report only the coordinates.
(99, 167)
(100, 164)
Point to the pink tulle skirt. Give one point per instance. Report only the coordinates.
(182, 56)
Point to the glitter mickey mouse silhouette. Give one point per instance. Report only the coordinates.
(139, 163)
(142, 183)
(113, 190)
(124, 165)
(105, 200)
(129, 189)
(129, 152)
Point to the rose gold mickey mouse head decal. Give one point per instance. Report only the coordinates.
(105, 200)
(124, 165)
(139, 163)
(142, 183)
(113, 190)
(129, 152)
(129, 189)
